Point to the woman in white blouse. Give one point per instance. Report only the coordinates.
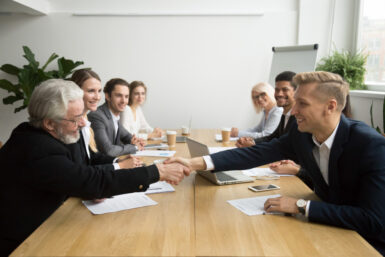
(263, 99)
(132, 118)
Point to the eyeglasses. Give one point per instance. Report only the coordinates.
(75, 122)
(256, 97)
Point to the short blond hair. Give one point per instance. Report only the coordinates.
(329, 84)
(263, 88)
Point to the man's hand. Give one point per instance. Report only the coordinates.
(281, 204)
(139, 142)
(285, 167)
(131, 162)
(173, 173)
(245, 142)
(192, 164)
(234, 132)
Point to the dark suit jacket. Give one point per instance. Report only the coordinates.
(355, 196)
(279, 131)
(38, 172)
(106, 139)
(97, 158)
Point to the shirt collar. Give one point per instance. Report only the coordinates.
(288, 113)
(329, 141)
(115, 118)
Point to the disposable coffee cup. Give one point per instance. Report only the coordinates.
(185, 130)
(226, 134)
(171, 138)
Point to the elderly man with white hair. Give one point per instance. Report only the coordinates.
(40, 169)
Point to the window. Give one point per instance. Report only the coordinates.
(372, 40)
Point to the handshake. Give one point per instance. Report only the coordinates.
(174, 169)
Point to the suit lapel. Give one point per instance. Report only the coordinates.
(111, 126)
(340, 139)
(312, 168)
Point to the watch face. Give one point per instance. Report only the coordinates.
(301, 203)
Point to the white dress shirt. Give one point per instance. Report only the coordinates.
(135, 123)
(115, 119)
(287, 117)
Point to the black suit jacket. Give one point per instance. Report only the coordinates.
(355, 195)
(279, 131)
(39, 172)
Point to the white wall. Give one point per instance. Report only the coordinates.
(202, 66)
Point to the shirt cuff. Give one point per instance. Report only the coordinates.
(209, 162)
(307, 209)
(116, 166)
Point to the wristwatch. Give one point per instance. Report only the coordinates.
(301, 204)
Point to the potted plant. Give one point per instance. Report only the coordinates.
(351, 66)
(31, 75)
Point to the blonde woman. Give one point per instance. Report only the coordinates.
(263, 99)
(132, 118)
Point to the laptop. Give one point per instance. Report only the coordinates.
(220, 178)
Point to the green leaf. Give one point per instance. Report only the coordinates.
(66, 66)
(50, 59)
(18, 109)
(10, 69)
(6, 85)
(11, 99)
(30, 58)
(371, 115)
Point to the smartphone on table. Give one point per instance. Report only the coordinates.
(261, 188)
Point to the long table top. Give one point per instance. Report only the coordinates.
(195, 220)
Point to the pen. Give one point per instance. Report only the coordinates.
(154, 188)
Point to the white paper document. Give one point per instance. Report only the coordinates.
(218, 137)
(219, 149)
(251, 206)
(155, 153)
(159, 187)
(119, 203)
(260, 172)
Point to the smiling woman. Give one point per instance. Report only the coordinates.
(262, 96)
(89, 82)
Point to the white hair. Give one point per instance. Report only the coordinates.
(50, 100)
(263, 88)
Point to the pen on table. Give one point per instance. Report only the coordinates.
(154, 188)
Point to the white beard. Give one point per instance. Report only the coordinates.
(67, 139)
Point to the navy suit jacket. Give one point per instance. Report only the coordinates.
(355, 195)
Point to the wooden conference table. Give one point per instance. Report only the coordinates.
(196, 220)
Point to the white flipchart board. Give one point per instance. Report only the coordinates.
(300, 58)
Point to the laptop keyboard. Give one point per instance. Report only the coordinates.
(224, 177)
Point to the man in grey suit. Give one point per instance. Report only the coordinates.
(110, 136)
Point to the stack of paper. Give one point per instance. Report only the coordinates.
(218, 137)
(155, 153)
(119, 203)
(160, 187)
(251, 206)
(260, 172)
